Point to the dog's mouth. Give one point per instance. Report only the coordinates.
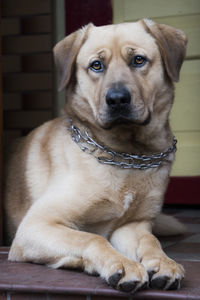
(122, 119)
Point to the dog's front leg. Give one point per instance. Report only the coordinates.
(136, 242)
(53, 243)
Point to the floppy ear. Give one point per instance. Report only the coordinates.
(172, 45)
(65, 53)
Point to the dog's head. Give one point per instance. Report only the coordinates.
(117, 74)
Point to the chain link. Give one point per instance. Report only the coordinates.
(121, 160)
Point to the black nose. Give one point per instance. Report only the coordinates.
(118, 97)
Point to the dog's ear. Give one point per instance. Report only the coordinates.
(172, 45)
(65, 53)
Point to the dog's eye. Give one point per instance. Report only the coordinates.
(138, 61)
(97, 66)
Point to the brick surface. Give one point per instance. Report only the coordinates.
(3, 296)
(67, 297)
(26, 296)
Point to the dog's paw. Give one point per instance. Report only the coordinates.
(126, 275)
(164, 273)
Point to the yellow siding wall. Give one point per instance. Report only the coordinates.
(185, 116)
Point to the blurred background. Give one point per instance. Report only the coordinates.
(29, 97)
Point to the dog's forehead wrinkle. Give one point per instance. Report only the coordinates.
(130, 50)
(101, 54)
(117, 42)
(104, 53)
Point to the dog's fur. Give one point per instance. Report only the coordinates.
(64, 208)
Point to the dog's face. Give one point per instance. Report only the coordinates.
(120, 70)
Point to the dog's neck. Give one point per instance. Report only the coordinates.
(124, 160)
(128, 138)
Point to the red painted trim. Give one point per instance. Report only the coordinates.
(82, 12)
(183, 190)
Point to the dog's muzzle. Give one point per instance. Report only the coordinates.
(118, 102)
(120, 109)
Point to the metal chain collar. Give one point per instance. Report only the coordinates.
(121, 160)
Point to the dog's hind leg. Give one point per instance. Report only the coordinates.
(166, 225)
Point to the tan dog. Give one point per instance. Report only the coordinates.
(78, 199)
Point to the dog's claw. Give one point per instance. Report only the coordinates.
(159, 282)
(175, 285)
(145, 286)
(115, 278)
(128, 286)
(151, 273)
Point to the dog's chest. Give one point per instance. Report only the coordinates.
(120, 202)
(114, 196)
(103, 216)
(106, 214)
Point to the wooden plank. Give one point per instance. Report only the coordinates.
(10, 26)
(37, 62)
(27, 82)
(187, 161)
(25, 7)
(11, 63)
(27, 44)
(36, 24)
(190, 24)
(118, 11)
(26, 119)
(186, 108)
(129, 10)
